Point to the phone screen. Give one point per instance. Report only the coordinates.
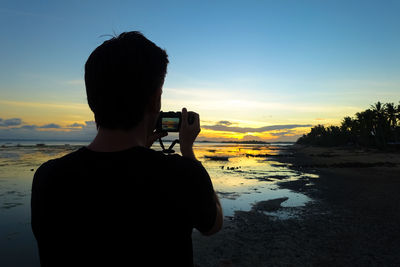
(170, 124)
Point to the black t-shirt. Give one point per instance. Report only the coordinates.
(135, 207)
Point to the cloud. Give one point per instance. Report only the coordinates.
(225, 128)
(10, 122)
(226, 123)
(283, 133)
(75, 125)
(29, 127)
(53, 132)
(50, 126)
(250, 138)
(90, 124)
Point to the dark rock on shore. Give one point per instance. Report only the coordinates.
(217, 158)
(269, 205)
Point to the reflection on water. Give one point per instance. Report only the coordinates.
(17, 166)
(242, 175)
(250, 174)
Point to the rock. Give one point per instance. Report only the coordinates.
(269, 205)
(217, 158)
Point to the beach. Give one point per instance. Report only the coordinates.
(352, 220)
(284, 205)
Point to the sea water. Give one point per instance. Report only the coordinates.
(242, 174)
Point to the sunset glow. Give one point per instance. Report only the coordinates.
(252, 70)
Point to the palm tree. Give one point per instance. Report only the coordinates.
(349, 128)
(366, 129)
(378, 107)
(347, 124)
(380, 124)
(391, 114)
(318, 131)
(398, 111)
(394, 115)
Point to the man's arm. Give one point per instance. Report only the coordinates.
(187, 135)
(219, 219)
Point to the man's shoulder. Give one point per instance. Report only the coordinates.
(65, 158)
(55, 164)
(177, 167)
(171, 158)
(143, 156)
(183, 162)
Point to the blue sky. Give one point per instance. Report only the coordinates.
(253, 63)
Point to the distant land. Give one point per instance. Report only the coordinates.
(241, 142)
(236, 142)
(200, 141)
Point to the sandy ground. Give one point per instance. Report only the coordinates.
(353, 220)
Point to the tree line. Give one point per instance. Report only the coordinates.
(377, 126)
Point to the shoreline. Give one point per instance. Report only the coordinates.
(353, 218)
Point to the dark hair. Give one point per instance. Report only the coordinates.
(120, 76)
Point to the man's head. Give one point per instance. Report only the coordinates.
(122, 77)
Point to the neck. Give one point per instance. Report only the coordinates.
(108, 140)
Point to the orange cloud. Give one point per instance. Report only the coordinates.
(267, 133)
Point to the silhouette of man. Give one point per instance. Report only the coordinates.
(117, 202)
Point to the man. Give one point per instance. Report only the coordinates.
(117, 202)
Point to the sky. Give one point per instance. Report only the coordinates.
(253, 70)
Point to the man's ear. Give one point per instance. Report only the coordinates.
(154, 105)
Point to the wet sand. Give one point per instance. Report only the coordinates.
(353, 220)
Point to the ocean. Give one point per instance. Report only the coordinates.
(242, 174)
